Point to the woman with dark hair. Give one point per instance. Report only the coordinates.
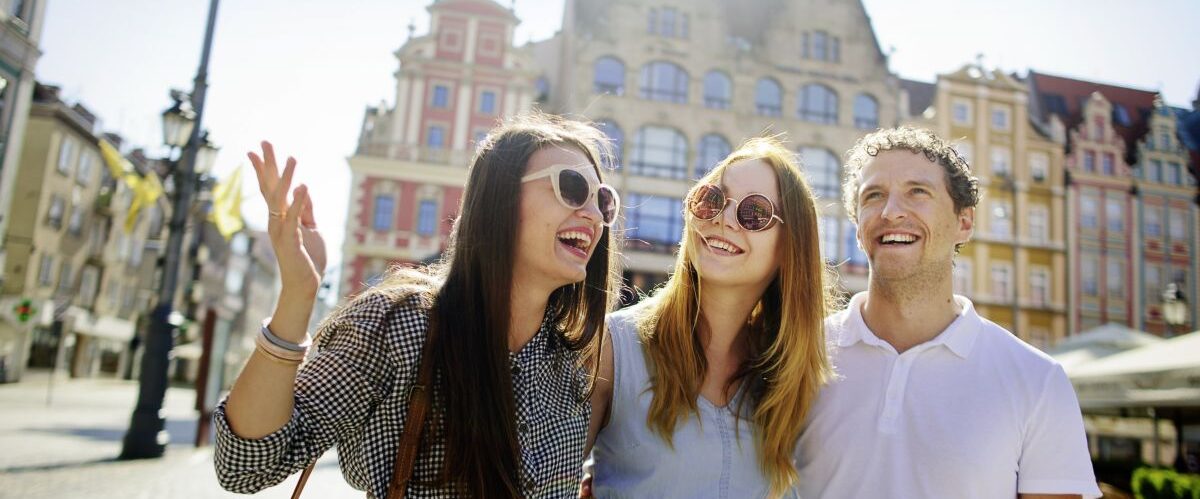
(506, 322)
(704, 388)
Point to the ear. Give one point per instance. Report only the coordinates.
(966, 224)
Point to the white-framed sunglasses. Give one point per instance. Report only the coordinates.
(575, 190)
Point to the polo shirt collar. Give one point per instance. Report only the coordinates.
(959, 337)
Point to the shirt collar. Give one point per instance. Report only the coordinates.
(959, 337)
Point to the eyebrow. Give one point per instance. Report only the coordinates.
(909, 183)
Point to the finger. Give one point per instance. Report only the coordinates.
(306, 217)
(269, 158)
(279, 201)
(291, 220)
(264, 184)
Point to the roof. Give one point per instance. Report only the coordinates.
(1065, 97)
(1099, 342)
(920, 95)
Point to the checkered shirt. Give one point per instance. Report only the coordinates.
(353, 393)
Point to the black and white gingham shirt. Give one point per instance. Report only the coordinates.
(353, 393)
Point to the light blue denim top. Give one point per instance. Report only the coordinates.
(708, 460)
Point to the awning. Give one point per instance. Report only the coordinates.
(1163, 374)
(107, 327)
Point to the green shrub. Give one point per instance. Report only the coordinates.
(1153, 483)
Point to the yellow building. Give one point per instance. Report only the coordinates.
(1014, 267)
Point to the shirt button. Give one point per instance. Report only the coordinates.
(516, 369)
(523, 427)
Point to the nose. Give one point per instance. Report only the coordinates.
(729, 215)
(590, 211)
(894, 209)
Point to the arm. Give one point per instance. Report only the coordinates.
(1054, 450)
(602, 394)
(260, 402)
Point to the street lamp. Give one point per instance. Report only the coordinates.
(177, 122)
(1174, 307)
(147, 437)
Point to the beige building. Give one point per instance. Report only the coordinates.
(68, 253)
(20, 32)
(1013, 268)
(677, 85)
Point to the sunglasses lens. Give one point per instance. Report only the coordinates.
(706, 202)
(573, 188)
(606, 198)
(754, 212)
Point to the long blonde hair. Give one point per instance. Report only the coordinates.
(787, 362)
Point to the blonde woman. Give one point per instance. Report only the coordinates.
(705, 386)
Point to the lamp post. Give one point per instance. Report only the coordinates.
(146, 437)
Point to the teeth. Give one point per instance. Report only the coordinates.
(899, 238)
(722, 245)
(581, 239)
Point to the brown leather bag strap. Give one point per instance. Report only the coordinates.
(414, 424)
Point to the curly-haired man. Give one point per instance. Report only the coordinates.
(931, 399)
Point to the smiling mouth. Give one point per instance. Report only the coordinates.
(897, 239)
(722, 247)
(576, 241)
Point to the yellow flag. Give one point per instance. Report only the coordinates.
(226, 211)
(118, 166)
(146, 191)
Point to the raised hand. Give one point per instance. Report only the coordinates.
(299, 248)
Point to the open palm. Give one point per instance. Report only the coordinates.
(299, 247)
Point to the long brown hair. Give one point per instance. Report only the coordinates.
(787, 362)
(471, 305)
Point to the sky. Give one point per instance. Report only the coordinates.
(301, 73)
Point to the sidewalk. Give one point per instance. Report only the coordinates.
(68, 448)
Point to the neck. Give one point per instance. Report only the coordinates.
(723, 312)
(527, 309)
(906, 316)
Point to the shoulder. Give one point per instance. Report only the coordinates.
(376, 318)
(623, 324)
(1032, 370)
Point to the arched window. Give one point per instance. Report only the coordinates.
(823, 171)
(768, 97)
(664, 81)
(718, 90)
(659, 152)
(866, 112)
(713, 149)
(818, 104)
(616, 139)
(609, 77)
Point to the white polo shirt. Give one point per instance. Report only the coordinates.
(973, 413)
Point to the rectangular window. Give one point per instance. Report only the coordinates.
(1039, 166)
(385, 207)
(835, 49)
(804, 47)
(654, 219)
(821, 45)
(1039, 286)
(1089, 161)
(1039, 230)
(1108, 167)
(1114, 215)
(851, 252)
(1175, 175)
(1001, 160)
(1155, 173)
(1152, 221)
(87, 285)
(963, 278)
(436, 138)
(1000, 118)
(66, 153)
(1154, 284)
(1088, 275)
(65, 276)
(962, 112)
(45, 270)
(441, 96)
(487, 102)
(427, 217)
(54, 215)
(1001, 281)
(1088, 216)
(1176, 221)
(828, 228)
(84, 175)
(1115, 278)
(652, 22)
(668, 22)
(75, 224)
(1001, 221)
